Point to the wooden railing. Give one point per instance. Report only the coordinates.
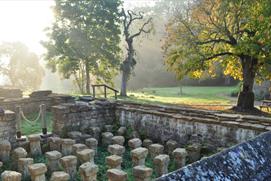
(105, 90)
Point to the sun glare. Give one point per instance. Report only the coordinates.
(25, 20)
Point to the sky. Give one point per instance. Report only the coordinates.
(25, 20)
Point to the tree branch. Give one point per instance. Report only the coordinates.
(219, 55)
(142, 29)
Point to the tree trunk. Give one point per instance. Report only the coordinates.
(246, 96)
(87, 79)
(124, 81)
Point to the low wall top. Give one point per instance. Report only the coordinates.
(259, 123)
(250, 160)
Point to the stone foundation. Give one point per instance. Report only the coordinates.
(8, 127)
(187, 125)
(82, 117)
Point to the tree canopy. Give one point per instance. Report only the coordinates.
(20, 67)
(84, 40)
(233, 33)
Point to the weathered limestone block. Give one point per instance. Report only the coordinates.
(116, 175)
(69, 164)
(53, 158)
(23, 164)
(155, 150)
(116, 150)
(107, 138)
(108, 128)
(92, 143)
(95, 132)
(66, 147)
(55, 143)
(121, 131)
(16, 155)
(86, 155)
(11, 176)
(75, 135)
(5, 148)
(134, 143)
(147, 143)
(88, 171)
(114, 162)
(171, 145)
(60, 176)
(138, 156)
(194, 152)
(37, 171)
(78, 147)
(34, 142)
(180, 155)
(142, 173)
(84, 137)
(119, 140)
(161, 163)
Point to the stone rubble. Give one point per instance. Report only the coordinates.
(161, 163)
(138, 156)
(88, 171)
(69, 164)
(113, 162)
(116, 175)
(53, 158)
(66, 147)
(35, 147)
(116, 150)
(134, 143)
(180, 155)
(155, 150)
(23, 164)
(37, 171)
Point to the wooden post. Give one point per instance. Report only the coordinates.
(105, 94)
(18, 122)
(43, 120)
(93, 91)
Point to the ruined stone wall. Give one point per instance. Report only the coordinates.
(8, 127)
(250, 160)
(31, 104)
(81, 116)
(186, 125)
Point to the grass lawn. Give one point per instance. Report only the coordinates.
(189, 96)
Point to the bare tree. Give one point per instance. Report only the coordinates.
(129, 63)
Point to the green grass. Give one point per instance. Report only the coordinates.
(189, 95)
(34, 128)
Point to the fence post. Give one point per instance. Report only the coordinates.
(43, 120)
(18, 121)
(93, 91)
(105, 93)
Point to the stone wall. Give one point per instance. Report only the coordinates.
(8, 127)
(250, 160)
(31, 104)
(81, 116)
(186, 125)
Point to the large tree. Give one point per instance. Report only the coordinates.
(233, 33)
(20, 67)
(129, 18)
(84, 40)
